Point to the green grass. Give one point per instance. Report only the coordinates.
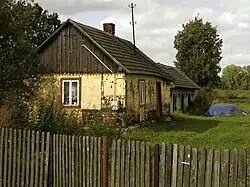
(197, 131)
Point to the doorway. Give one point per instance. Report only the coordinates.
(159, 98)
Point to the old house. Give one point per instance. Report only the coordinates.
(183, 89)
(95, 69)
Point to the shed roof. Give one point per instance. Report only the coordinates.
(121, 51)
(180, 79)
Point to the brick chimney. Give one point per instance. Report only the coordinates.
(109, 28)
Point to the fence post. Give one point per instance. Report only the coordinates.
(155, 167)
(105, 162)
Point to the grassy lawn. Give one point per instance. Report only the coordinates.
(197, 131)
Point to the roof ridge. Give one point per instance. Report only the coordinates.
(99, 30)
(114, 37)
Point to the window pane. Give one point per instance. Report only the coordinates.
(74, 91)
(142, 90)
(66, 93)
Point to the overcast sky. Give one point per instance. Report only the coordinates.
(159, 20)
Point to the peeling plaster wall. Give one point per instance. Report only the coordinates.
(96, 89)
(132, 94)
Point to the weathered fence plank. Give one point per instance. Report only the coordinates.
(73, 160)
(133, 162)
(137, 173)
(42, 160)
(23, 158)
(95, 146)
(168, 165)
(10, 157)
(37, 158)
(5, 158)
(77, 161)
(1, 156)
(70, 160)
(180, 166)
(118, 163)
(225, 168)
(162, 168)
(174, 166)
(46, 160)
(216, 176)
(187, 160)
(194, 166)
(14, 159)
(122, 163)
(27, 159)
(202, 166)
(243, 168)
(113, 163)
(209, 168)
(234, 167)
(104, 176)
(57, 160)
(147, 165)
(88, 160)
(63, 169)
(91, 160)
(32, 159)
(84, 178)
(127, 172)
(99, 180)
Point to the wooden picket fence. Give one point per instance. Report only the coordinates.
(24, 158)
(29, 158)
(76, 161)
(183, 166)
(172, 165)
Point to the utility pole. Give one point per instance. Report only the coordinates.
(132, 6)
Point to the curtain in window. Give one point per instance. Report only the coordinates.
(66, 93)
(74, 93)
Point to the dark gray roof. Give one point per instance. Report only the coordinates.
(180, 79)
(119, 50)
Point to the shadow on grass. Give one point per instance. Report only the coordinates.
(186, 124)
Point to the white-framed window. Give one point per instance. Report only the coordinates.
(70, 92)
(142, 92)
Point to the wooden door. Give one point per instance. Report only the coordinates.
(159, 98)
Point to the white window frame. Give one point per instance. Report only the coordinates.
(142, 92)
(70, 92)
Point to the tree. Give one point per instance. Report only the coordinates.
(2, 3)
(236, 77)
(23, 26)
(199, 52)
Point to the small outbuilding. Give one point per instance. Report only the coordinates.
(182, 91)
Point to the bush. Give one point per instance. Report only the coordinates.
(232, 94)
(202, 102)
(47, 116)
